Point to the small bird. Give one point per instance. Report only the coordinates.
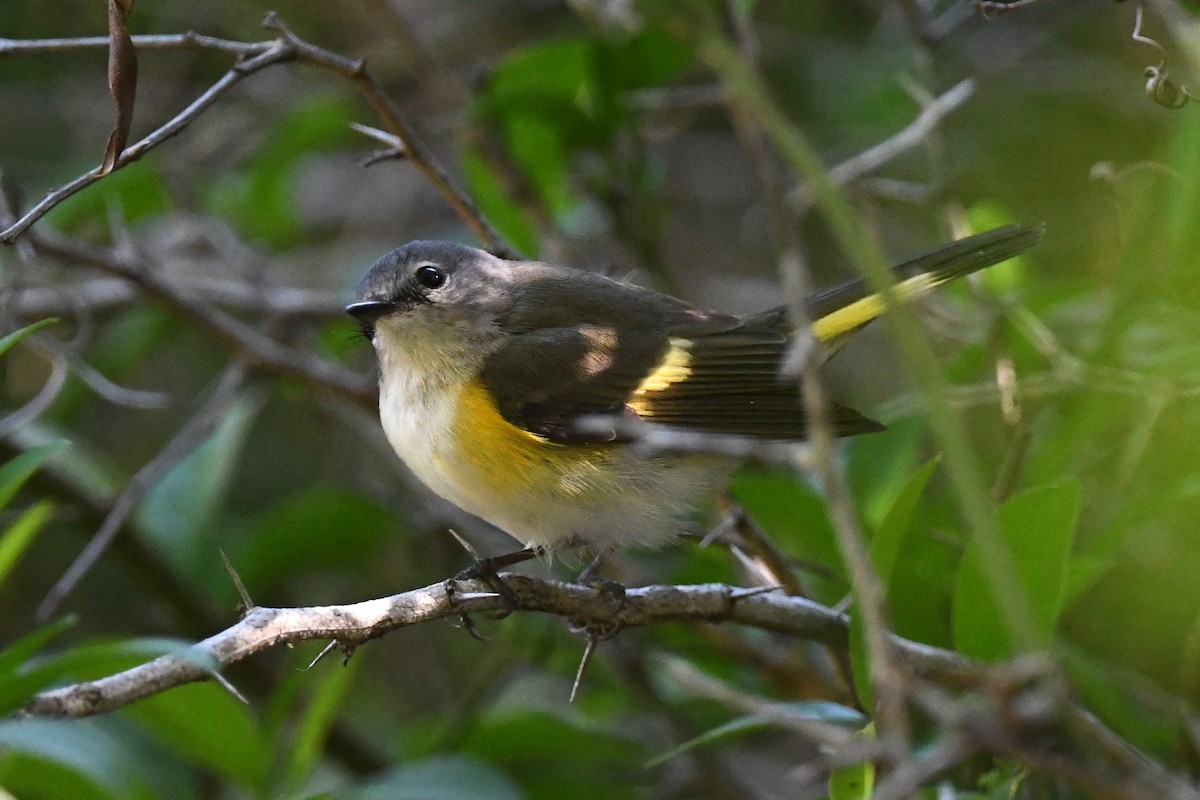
(487, 367)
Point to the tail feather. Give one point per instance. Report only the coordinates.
(846, 308)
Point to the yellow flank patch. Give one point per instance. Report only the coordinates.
(479, 419)
(493, 458)
(860, 312)
(674, 368)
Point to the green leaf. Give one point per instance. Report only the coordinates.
(18, 537)
(497, 204)
(1037, 528)
(137, 190)
(18, 681)
(208, 726)
(314, 725)
(879, 466)
(729, 730)
(322, 529)
(11, 339)
(18, 469)
(260, 199)
(1118, 696)
(857, 781)
(537, 145)
(887, 543)
(79, 754)
(860, 662)
(24, 648)
(886, 548)
(553, 76)
(443, 778)
(182, 505)
(532, 744)
(813, 709)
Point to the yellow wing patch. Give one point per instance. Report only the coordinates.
(674, 368)
(860, 312)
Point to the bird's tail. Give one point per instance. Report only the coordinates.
(843, 309)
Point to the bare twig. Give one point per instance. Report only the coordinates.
(914, 134)
(698, 683)
(990, 7)
(37, 405)
(278, 52)
(359, 622)
(103, 294)
(865, 252)
(260, 350)
(257, 56)
(175, 41)
(202, 423)
(888, 679)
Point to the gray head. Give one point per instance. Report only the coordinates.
(430, 293)
(432, 284)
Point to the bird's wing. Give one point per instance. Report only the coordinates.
(718, 375)
(694, 369)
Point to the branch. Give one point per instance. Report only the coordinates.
(222, 395)
(258, 349)
(356, 623)
(278, 52)
(105, 294)
(871, 159)
(257, 56)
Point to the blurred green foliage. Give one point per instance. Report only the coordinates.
(574, 132)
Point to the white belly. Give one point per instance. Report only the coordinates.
(541, 494)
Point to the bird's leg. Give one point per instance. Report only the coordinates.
(488, 571)
(591, 576)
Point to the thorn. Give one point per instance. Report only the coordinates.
(273, 22)
(393, 141)
(592, 639)
(742, 594)
(229, 687)
(247, 604)
(465, 544)
(476, 595)
(326, 651)
(843, 605)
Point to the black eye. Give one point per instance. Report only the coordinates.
(430, 277)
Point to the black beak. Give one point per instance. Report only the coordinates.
(368, 312)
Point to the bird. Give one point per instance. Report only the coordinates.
(492, 373)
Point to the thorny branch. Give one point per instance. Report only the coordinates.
(1018, 706)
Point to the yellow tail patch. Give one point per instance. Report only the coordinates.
(860, 312)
